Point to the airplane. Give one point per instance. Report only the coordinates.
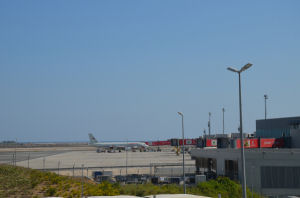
(103, 146)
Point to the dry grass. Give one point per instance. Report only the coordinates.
(23, 182)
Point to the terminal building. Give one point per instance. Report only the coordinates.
(280, 127)
(272, 172)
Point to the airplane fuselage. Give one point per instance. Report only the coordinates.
(120, 144)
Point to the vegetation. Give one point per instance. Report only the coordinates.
(23, 182)
(222, 185)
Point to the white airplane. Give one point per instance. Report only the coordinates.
(116, 145)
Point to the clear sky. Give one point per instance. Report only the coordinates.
(122, 69)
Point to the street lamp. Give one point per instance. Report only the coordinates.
(184, 186)
(223, 110)
(245, 67)
(209, 114)
(266, 97)
(16, 152)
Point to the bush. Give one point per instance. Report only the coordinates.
(23, 182)
(222, 185)
(50, 191)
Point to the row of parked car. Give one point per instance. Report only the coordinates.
(100, 176)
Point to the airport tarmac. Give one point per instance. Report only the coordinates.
(7, 154)
(59, 159)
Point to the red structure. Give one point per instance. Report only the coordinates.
(211, 142)
(158, 143)
(271, 142)
(176, 141)
(248, 143)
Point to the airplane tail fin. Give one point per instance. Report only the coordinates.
(92, 139)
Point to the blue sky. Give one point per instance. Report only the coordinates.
(122, 69)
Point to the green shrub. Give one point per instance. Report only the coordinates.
(23, 182)
(50, 191)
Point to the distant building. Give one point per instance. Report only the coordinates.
(273, 172)
(276, 127)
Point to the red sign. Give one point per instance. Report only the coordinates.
(188, 142)
(267, 143)
(211, 142)
(248, 143)
(271, 142)
(158, 143)
(194, 141)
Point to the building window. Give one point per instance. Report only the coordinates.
(232, 169)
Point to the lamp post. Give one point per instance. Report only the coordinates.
(58, 167)
(16, 152)
(266, 97)
(82, 180)
(209, 114)
(44, 164)
(73, 168)
(245, 67)
(28, 160)
(223, 110)
(184, 186)
(126, 149)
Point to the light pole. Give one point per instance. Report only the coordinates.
(266, 97)
(73, 168)
(58, 167)
(223, 110)
(16, 152)
(44, 164)
(209, 114)
(126, 149)
(82, 180)
(184, 186)
(245, 67)
(28, 160)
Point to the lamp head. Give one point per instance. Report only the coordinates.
(180, 113)
(245, 67)
(232, 69)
